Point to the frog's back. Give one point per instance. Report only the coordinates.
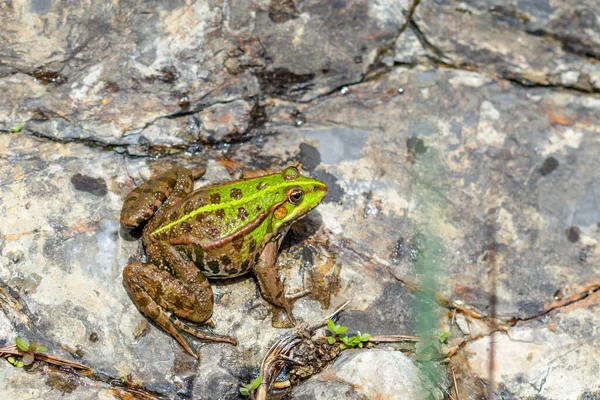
(229, 223)
(216, 212)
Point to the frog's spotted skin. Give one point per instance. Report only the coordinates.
(220, 231)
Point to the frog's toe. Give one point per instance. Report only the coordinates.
(293, 297)
(283, 319)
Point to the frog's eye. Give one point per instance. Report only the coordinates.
(295, 196)
(290, 173)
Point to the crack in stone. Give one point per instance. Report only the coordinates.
(564, 41)
(13, 307)
(503, 328)
(572, 300)
(543, 382)
(568, 43)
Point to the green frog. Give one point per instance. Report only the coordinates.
(215, 232)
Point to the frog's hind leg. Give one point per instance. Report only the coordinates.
(166, 190)
(163, 298)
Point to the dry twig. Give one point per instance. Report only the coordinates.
(5, 352)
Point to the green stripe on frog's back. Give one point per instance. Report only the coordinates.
(236, 203)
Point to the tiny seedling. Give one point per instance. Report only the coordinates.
(30, 350)
(442, 336)
(248, 388)
(356, 340)
(337, 332)
(15, 362)
(16, 128)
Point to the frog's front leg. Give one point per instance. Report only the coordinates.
(165, 296)
(271, 287)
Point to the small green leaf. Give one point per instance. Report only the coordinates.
(244, 391)
(256, 382)
(345, 340)
(340, 329)
(41, 349)
(28, 359)
(16, 128)
(443, 336)
(19, 364)
(331, 326)
(32, 346)
(331, 339)
(11, 360)
(22, 344)
(365, 337)
(360, 345)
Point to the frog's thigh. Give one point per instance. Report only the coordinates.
(144, 200)
(185, 273)
(154, 290)
(271, 286)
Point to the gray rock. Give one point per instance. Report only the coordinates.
(456, 144)
(366, 374)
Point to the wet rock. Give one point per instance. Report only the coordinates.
(365, 374)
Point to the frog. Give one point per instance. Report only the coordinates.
(220, 231)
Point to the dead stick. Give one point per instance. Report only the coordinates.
(455, 385)
(282, 385)
(13, 350)
(395, 338)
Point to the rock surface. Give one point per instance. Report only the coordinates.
(370, 374)
(459, 141)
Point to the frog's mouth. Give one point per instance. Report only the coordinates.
(317, 192)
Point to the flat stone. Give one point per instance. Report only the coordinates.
(367, 374)
(536, 357)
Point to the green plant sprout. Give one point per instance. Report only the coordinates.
(16, 363)
(356, 340)
(30, 350)
(16, 128)
(442, 336)
(337, 331)
(248, 388)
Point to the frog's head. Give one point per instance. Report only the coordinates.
(301, 195)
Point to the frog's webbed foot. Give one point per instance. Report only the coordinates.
(283, 317)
